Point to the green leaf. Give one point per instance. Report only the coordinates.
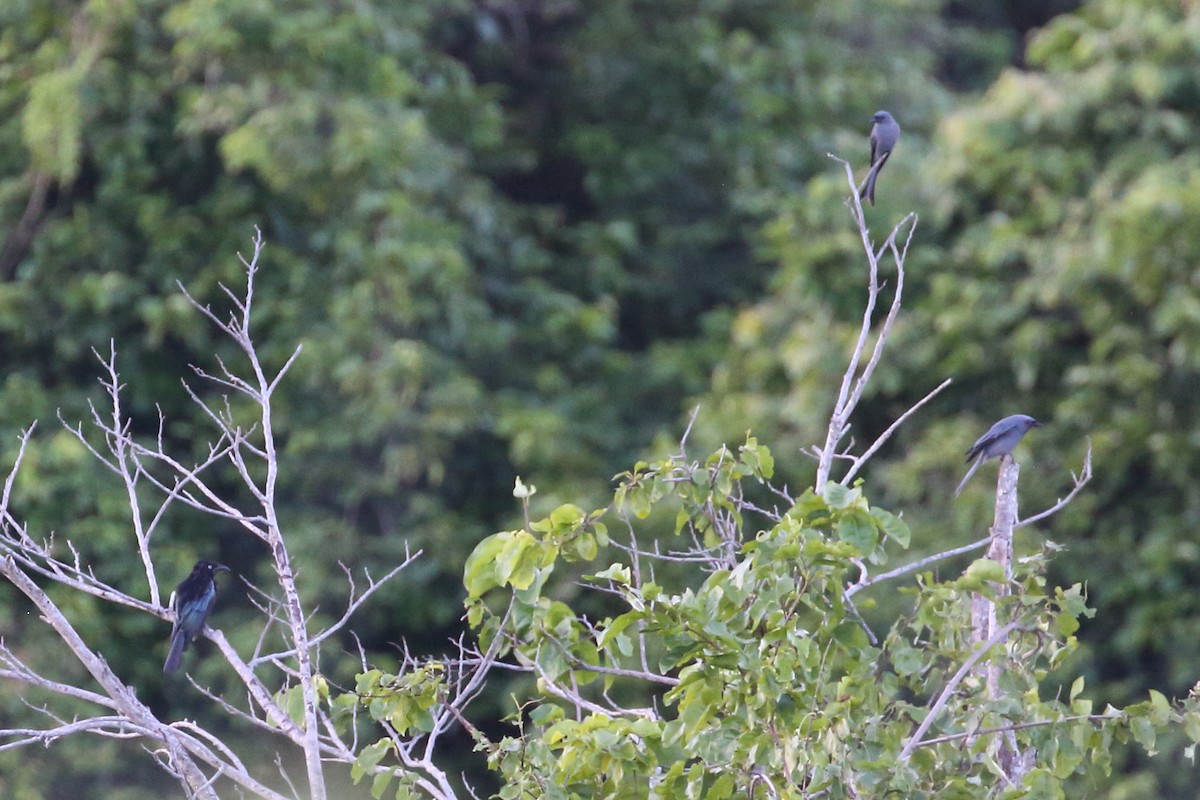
(1143, 731)
(479, 574)
(617, 626)
(1191, 725)
(617, 573)
(857, 528)
(1073, 602)
(981, 571)
(851, 635)
(380, 784)
(546, 714)
(811, 503)
(292, 701)
(722, 788)
(567, 515)
(906, 659)
(893, 527)
(585, 547)
(1066, 623)
(369, 758)
(837, 497)
(516, 559)
(551, 661)
(758, 458)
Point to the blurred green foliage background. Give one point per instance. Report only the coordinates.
(530, 237)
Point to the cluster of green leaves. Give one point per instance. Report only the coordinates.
(1053, 274)
(405, 702)
(757, 672)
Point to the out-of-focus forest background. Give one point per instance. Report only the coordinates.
(528, 237)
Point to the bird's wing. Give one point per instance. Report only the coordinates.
(994, 433)
(173, 604)
(980, 443)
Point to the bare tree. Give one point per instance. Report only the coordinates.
(858, 374)
(195, 756)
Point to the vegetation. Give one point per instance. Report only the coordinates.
(531, 240)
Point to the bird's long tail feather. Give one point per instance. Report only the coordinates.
(867, 190)
(967, 477)
(175, 656)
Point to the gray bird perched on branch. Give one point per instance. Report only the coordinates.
(884, 135)
(1000, 440)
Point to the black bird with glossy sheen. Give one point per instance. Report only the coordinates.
(1000, 440)
(192, 601)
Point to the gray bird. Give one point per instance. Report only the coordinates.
(884, 135)
(1000, 440)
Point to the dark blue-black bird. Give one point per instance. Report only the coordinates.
(1000, 440)
(192, 601)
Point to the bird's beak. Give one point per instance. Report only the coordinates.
(223, 568)
(1037, 424)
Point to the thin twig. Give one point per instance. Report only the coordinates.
(859, 461)
(1080, 480)
(1018, 726)
(864, 582)
(951, 686)
(854, 381)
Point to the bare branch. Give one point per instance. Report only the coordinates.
(287, 365)
(854, 381)
(352, 605)
(644, 675)
(118, 444)
(687, 432)
(12, 474)
(860, 384)
(259, 388)
(38, 558)
(914, 741)
(112, 727)
(124, 698)
(196, 755)
(864, 581)
(859, 461)
(258, 692)
(12, 668)
(577, 700)
(1079, 481)
(1019, 726)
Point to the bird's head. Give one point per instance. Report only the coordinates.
(881, 116)
(208, 568)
